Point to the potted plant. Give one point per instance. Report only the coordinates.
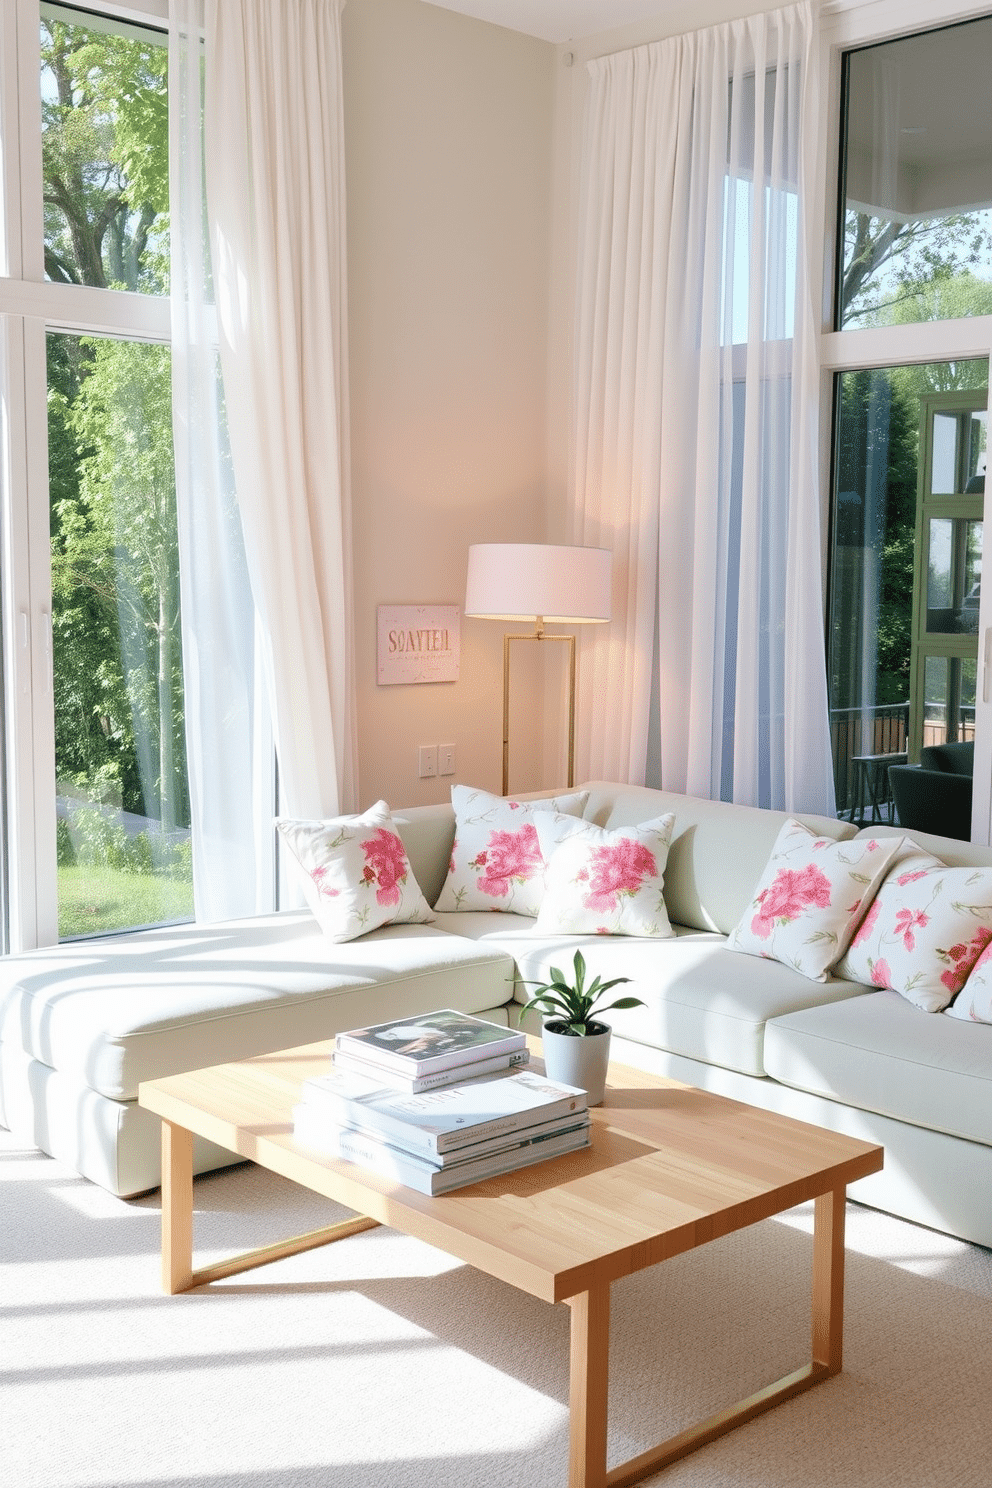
(576, 1043)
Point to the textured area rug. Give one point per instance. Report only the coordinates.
(379, 1361)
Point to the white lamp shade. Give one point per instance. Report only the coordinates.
(521, 581)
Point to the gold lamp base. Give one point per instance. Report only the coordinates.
(538, 635)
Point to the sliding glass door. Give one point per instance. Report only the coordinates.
(910, 350)
(906, 561)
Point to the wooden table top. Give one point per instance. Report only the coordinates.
(670, 1168)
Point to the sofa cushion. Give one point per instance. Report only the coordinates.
(355, 872)
(925, 930)
(600, 882)
(810, 897)
(496, 859)
(955, 853)
(878, 1054)
(717, 851)
(133, 1007)
(974, 1002)
(427, 833)
(701, 999)
(482, 924)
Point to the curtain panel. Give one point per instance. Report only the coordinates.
(228, 746)
(275, 192)
(696, 407)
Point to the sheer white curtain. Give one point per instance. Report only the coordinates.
(274, 157)
(229, 752)
(696, 416)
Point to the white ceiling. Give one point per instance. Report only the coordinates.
(560, 20)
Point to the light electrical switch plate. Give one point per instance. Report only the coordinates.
(428, 761)
(446, 759)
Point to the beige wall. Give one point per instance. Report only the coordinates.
(448, 131)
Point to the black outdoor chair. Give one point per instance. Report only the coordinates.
(935, 795)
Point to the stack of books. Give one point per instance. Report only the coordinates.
(484, 1119)
(439, 1048)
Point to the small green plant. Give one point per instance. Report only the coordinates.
(573, 1004)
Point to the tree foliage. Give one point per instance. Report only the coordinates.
(877, 459)
(115, 597)
(104, 158)
(924, 269)
(115, 579)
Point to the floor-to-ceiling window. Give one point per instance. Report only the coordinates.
(98, 811)
(913, 326)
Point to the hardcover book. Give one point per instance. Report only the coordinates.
(390, 1162)
(414, 1084)
(319, 1121)
(431, 1041)
(442, 1120)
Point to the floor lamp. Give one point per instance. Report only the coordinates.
(544, 584)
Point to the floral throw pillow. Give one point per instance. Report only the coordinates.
(811, 896)
(355, 873)
(924, 932)
(600, 882)
(496, 857)
(974, 1002)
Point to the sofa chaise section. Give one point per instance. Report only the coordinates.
(83, 1023)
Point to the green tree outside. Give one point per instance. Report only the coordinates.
(117, 663)
(105, 158)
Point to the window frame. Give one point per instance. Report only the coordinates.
(30, 306)
(846, 24)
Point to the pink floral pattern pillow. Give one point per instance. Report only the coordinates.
(355, 872)
(605, 883)
(974, 1002)
(811, 897)
(496, 858)
(924, 932)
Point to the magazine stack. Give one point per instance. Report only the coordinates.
(441, 1048)
(437, 1103)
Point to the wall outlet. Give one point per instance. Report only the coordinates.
(446, 759)
(428, 761)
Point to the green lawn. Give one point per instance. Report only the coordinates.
(94, 900)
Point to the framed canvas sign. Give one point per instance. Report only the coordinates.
(418, 643)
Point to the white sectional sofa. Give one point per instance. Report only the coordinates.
(82, 1024)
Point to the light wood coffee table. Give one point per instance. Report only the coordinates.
(670, 1168)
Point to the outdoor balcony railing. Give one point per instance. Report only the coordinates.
(858, 734)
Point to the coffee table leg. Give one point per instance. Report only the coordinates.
(589, 1388)
(828, 1280)
(178, 1274)
(177, 1208)
(590, 1367)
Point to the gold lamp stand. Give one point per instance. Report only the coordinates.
(549, 584)
(539, 635)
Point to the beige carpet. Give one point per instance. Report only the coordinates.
(381, 1362)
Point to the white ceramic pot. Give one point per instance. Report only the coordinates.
(574, 1060)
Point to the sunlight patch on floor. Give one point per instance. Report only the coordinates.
(881, 1237)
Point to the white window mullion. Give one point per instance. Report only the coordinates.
(27, 61)
(42, 703)
(77, 307)
(900, 345)
(28, 713)
(18, 750)
(29, 740)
